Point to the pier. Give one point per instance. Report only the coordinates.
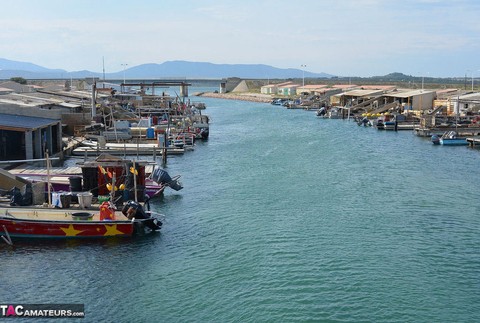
(473, 142)
(461, 131)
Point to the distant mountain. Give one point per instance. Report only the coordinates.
(210, 70)
(6, 64)
(170, 69)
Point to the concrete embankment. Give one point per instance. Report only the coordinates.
(254, 97)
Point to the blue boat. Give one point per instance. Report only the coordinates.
(450, 138)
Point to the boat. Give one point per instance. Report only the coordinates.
(364, 122)
(181, 140)
(110, 182)
(92, 148)
(334, 113)
(200, 126)
(94, 179)
(63, 182)
(38, 222)
(389, 125)
(321, 112)
(449, 138)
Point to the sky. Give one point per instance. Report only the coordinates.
(431, 38)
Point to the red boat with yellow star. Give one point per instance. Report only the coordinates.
(21, 217)
(67, 223)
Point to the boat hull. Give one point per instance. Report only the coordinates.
(26, 228)
(454, 142)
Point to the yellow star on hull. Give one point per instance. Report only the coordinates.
(111, 230)
(71, 231)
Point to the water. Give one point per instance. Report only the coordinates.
(284, 217)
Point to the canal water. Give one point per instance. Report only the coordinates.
(283, 217)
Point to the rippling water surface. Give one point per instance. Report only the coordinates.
(284, 217)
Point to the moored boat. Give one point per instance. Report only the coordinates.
(126, 149)
(38, 222)
(93, 179)
(108, 182)
(449, 138)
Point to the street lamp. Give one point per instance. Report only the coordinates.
(423, 78)
(466, 79)
(303, 74)
(472, 80)
(124, 66)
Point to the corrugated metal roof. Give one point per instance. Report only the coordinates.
(407, 94)
(378, 87)
(362, 92)
(70, 105)
(313, 86)
(289, 86)
(344, 86)
(24, 122)
(469, 96)
(17, 102)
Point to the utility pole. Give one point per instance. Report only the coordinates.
(303, 74)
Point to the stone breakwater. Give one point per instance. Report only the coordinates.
(253, 97)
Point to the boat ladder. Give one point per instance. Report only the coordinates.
(6, 237)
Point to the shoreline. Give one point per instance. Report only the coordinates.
(252, 97)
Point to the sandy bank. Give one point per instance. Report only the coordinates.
(254, 97)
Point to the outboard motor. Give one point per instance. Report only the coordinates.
(135, 210)
(321, 111)
(365, 121)
(435, 139)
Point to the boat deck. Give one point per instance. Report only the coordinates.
(25, 170)
(55, 214)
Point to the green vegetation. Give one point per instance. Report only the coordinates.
(20, 80)
(399, 80)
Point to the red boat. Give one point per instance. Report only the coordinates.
(32, 222)
(103, 180)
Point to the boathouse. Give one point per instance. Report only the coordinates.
(272, 88)
(288, 89)
(466, 104)
(23, 137)
(354, 98)
(417, 100)
(311, 88)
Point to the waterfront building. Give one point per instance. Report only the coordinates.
(272, 88)
(23, 137)
(287, 89)
(466, 104)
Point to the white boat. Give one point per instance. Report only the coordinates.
(119, 151)
(91, 147)
(334, 113)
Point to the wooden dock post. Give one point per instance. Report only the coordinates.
(164, 152)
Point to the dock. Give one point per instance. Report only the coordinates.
(37, 172)
(473, 142)
(144, 151)
(461, 131)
